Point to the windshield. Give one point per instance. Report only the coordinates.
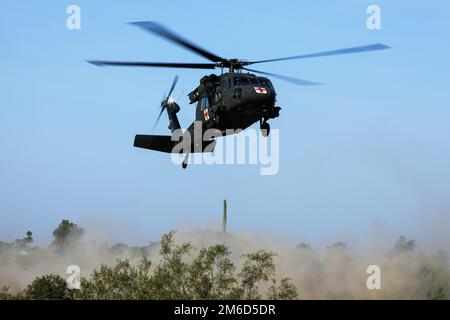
(254, 81)
(265, 82)
(240, 81)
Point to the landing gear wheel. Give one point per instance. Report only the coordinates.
(265, 129)
(185, 161)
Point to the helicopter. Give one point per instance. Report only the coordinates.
(229, 102)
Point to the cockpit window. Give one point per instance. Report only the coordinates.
(226, 85)
(265, 82)
(240, 81)
(254, 81)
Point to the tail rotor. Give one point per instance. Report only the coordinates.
(169, 104)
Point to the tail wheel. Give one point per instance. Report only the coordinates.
(185, 161)
(265, 129)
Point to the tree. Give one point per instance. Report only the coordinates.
(4, 293)
(66, 233)
(338, 246)
(25, 242)
(118, 248)
(170, 278)
(285, 291)
(211, 274)
(48, 287)
(29, 238)
(257, 267)
(438, 294)
(403, 245)
(120, 282)
(5, 246)
(434, 277)
(304, 247)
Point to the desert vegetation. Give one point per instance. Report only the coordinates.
(223, 267)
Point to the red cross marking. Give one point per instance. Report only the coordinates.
(260, 90)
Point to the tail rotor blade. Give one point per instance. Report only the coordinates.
(159, 117)
(165, 100)
(175, 80)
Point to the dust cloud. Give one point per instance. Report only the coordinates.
(335, 271)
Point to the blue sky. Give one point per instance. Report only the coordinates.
(368, 149)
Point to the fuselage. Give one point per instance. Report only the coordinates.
(235, 101)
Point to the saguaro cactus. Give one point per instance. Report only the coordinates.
(224, 219)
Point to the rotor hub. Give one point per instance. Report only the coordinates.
(233, 64)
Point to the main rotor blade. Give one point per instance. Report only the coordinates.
(372, 47)
(101, 63)
(299, 82)
(165, 33)
(175, 80)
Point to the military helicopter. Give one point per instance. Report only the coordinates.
(232, 100)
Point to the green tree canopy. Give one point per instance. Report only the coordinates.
(25, 242)
(48, 287)
(209, 275)
(66, 233)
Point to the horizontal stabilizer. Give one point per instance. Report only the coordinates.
(157, 143)
(165, 143)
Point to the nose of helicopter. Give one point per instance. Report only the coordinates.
(263, 96)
